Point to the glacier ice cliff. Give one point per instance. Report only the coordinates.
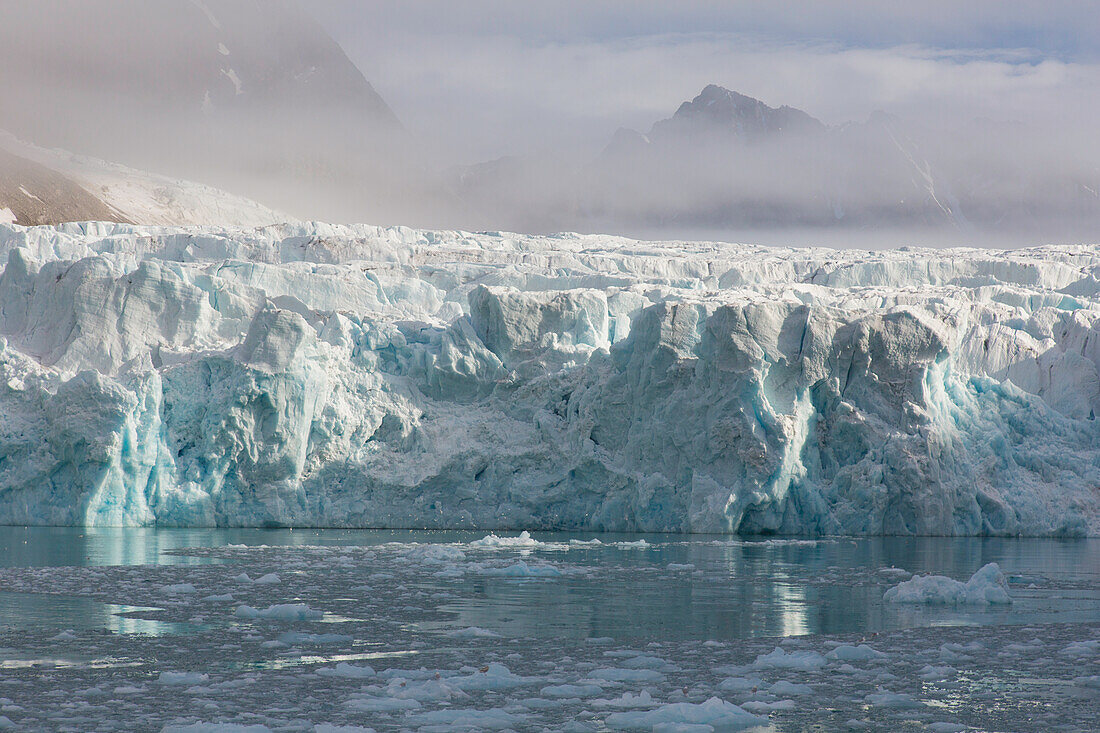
(316, 375)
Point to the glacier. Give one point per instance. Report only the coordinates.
(355, 376)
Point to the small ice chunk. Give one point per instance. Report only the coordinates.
(216, 728)
(715, 713)
(617, 674)
(644, 661)
(434, 554)
(1080, 649)
(628, 701)
(269, 579)
(783, 688)
(473, 632)
(492, 677)
(763, 708)
(182, 678)
(130, 690)
(740, 684)
(894, 573)
(779, 659)
(930, 673)
(492, 719)
(849, 653)
(280, 612)
(383, 704)
(570, 691)
(348, 671)
(178, 589)
(492, 541)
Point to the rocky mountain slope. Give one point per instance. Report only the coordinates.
(32, 194)
(50, 186)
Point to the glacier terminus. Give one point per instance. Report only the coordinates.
(356, 376)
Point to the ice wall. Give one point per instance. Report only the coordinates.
(314, 375)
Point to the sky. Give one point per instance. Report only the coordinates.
(485, 78)
(994, 108)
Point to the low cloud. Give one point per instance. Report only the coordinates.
(504, 95)
(999, 100)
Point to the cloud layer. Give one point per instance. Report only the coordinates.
(488, 77)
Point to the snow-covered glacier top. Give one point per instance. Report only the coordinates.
(318, 375)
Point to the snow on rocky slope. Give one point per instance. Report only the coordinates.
(360, 376)
(53, 185)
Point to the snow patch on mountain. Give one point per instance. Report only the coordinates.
(318, 375)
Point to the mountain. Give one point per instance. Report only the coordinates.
(249, 95)
(728, 159)
(719, 112)
(728, 165)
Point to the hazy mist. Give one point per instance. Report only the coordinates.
(502, 115)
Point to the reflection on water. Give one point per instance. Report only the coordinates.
(69, 612)
(64, 546)
(750, 589)
(311, 659)
(674, 588)
(72, 546)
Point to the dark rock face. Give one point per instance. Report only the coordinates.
(193, 61)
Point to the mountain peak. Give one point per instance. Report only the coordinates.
(713, 93)
(723, 111)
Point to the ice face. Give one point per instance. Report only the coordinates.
(317, 375)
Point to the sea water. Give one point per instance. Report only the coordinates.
(295, 629)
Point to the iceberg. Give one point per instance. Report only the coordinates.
(317, 375)
(986, 587)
